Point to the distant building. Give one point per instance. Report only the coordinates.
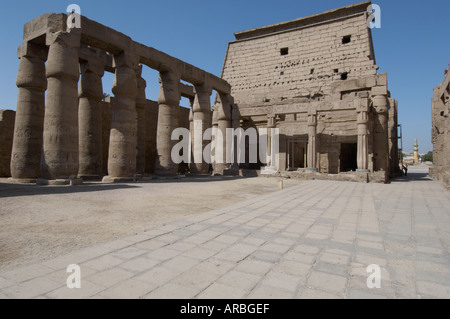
(416, 152)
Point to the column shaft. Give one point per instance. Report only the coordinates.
(202, 122)
(122, 142)
(363, 141)
(168, 99)
(90, 120)
(141, 104)
(29, 122)
(60, 146)
(312, 141)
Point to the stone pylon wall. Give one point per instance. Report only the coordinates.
(315, 79)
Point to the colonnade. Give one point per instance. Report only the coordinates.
(58, 131)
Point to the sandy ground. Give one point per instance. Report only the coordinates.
(38, 223)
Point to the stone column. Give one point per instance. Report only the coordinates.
(271, 153)
(235, 124)
(122, 141)
(60, 158)
(169, 100)
(29, 123)
(224, 122)
(312, 140)
(202, 122)
(362, 109)
(191, 132)
(141, 104)
(381, 147)
(90, 92)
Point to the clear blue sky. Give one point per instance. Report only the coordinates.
(412, 46)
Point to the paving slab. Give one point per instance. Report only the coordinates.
(313, 240)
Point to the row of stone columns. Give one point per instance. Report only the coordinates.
(66, 123)
(362, 108)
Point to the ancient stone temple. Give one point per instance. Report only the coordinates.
(63, 129)
(440, 107)
(315, 79)
(312, 82)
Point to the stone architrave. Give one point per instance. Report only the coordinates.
(29, 123)
(202, 121)
(90, 120)
(60, 146)
(141, 104)
(168, 100)
(123, 141)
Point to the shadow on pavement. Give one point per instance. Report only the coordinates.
(414, 176)
(14, 190)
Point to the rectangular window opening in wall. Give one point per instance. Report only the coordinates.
(344, 76)
(336, 71)
(312, 71)
(346, 39)
(284, 51)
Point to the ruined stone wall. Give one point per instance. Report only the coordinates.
(7, 118)
(441, 131)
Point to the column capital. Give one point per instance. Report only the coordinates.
(312, 119)
(70, 39)
(90, 85)
(93, 66)
(126, 59)
(271, 121)
(141, 99)
(202, 101)
(361, 104)
(380, 103)
(225, 107)
(362, 118)
(203, 89)
(32, 50)
(169, 92)
(62, 61)
(125, 80)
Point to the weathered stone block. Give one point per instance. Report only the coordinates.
(7, 118)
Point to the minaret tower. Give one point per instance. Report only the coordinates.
(416, 152)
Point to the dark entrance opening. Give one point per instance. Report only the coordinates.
(296, 154)
(348, 158)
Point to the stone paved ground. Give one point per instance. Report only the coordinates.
(314, 240)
